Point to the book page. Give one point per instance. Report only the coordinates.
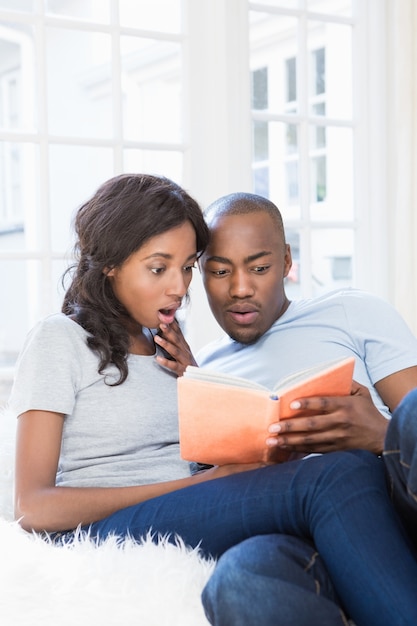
(202, 373)
(303, 375)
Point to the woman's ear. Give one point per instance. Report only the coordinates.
(109, 271)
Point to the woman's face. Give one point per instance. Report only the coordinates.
(152, 282)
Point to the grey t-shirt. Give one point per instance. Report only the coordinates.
(113, 436)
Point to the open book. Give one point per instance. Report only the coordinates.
(224, 419)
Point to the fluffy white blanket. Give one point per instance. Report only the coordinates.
(84, 584)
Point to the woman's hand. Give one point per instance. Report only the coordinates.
(172, 340)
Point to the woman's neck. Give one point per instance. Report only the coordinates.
(141, 343)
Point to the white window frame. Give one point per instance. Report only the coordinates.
(217, 144)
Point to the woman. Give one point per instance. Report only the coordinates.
(97, 440)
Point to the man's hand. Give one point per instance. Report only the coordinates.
(326, 424)
(172, 340)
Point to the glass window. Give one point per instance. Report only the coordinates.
(330, 69)
(260, 88)
(79, 87)
(319, 71)
(19, 195)
(100, 99)
(158, 15)
(332, 253)
(17, 77)
(95, 10)
(309, 162)
(273, 42)
(18, 5)
(341, 8)
(151, 90)
(260, 141)
(291, 76)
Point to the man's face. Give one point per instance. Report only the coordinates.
(243, 270)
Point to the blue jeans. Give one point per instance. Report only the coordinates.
(269, 580)
(400, 457)
(338, 500)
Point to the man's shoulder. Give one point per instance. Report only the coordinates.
(336, 297)
(216, 348)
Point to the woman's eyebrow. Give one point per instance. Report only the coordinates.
(168, 256)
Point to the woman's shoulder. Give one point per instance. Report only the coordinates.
(58, 327)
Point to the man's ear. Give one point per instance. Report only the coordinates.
(287, 260)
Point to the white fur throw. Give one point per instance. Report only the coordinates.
(85, 584)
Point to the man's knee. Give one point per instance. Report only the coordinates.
(278, 575)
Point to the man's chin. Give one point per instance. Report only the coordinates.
(244, 336)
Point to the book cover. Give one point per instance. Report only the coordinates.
(225, 419)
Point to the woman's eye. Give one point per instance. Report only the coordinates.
(157, 270)
(189, 268)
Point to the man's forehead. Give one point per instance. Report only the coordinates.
(252, 230)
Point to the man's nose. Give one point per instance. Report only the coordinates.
(241, 285)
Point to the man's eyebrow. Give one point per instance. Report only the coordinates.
(248, 259)
(219, 259)
(258, 255)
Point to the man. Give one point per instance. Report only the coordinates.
(268, 337)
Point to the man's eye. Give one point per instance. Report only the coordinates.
(219, 272)
(259, 269)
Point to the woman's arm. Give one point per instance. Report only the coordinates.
(40, 505)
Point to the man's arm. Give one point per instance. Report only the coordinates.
(393, 388)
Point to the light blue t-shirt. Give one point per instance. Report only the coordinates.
(338, 324)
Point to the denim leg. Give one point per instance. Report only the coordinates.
(272, 580)
(400, 457)
(339, 500)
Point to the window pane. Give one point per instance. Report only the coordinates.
(330, 69)
(158, 15)
(276, 165)
(261, 181)
(291, 79)
(79, 83)
(95, 10)
(60, 283)
(293, 280)
(166, 163)
(75, 174)
(20, 228)
(18, 5)
(260, 141)
(274, 46)
(19, 313)
(151, 84)
(334, 7)
(332, 259)
(260, 88)
(331, 176)
(282, 4)
(17, 79)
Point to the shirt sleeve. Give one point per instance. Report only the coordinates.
(383, 337)
(47, 372)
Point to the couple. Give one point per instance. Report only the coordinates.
(97, 435)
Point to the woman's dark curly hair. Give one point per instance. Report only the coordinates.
(124, 213)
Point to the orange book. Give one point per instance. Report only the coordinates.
(224, 419)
